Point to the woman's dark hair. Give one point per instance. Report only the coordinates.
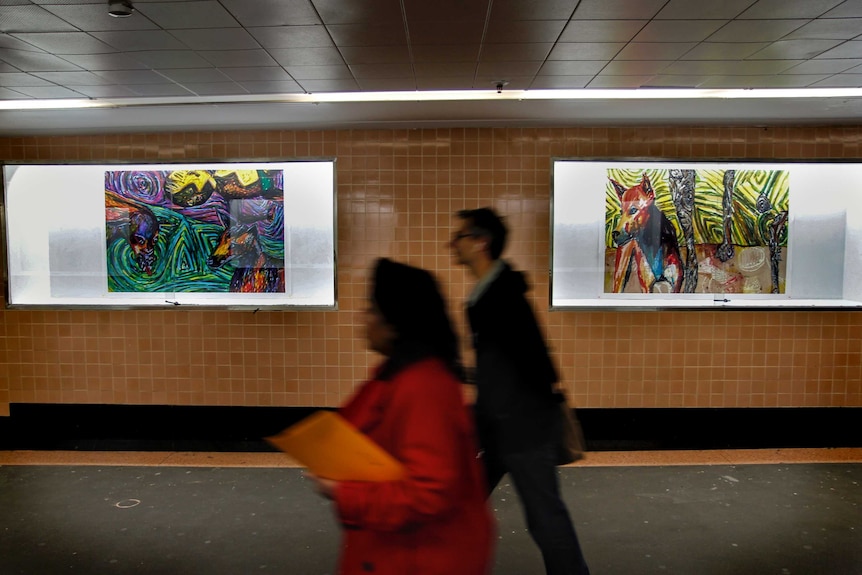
(410, 301)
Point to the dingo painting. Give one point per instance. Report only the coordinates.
(715, 231)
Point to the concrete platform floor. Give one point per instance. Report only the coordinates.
(717, 512)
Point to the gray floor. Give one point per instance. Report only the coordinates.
(691, 520)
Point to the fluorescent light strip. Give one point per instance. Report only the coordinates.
(443, 96)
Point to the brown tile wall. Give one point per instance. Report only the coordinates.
(397, 190)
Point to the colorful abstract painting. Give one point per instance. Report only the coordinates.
(206, 231)
(717, 231)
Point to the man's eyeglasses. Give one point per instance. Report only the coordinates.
(462, 235)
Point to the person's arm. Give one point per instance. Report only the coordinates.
(427, 412)
(518, 342)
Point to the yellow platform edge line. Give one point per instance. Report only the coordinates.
(593, 459)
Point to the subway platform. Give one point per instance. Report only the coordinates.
(104, 507)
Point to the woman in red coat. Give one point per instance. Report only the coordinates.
(435, 521)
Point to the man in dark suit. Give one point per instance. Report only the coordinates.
(517, 411)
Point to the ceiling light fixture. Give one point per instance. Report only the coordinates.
(441, 96)
(120, 8)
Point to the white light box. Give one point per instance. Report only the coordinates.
(254, 234)
(665, 234)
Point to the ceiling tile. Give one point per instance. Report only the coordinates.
(194, 75)
(619, 81)
(365, 12)
(110, 91)
(272, 12)
(132, 77)
(133, 40)
(400, 84)
(840, 81)
(7, 94)
(585, 50)
(654, 50)
(183, 15)
(35, 61)
(445, 83)
(274, 37)
(444, 69)
(366, 71)
(688, 10)
(678, 30)
(572, 67)
(31, 19)
(852, 9)
(73, 78)
(345, 85)
(450, 53)
(65, 42)
(375, 54)
(48, 92)
(216, 39)
(448, 11)
(560, 82)
(7, 41)
(856, 69)
(632, 68)
(760, 81)
(257, 74)
(755, 30)
(851, 49)
(514, 52)
(601, 30)
(777, 9)
(843, 29)
(794, 49)
(95, 18)
(238, 58)
(307, 56)
(11, 79)
(105, 61)
(215, 88)
(159, 90)
(723, 50)
(731, 67)
(272, 87)
(618, 9)
(523, 31)
(171, 59)
(676, 81)
(385, 34)
(437, 33)
(532, 10)
(507, 70)
(824, 66)
(338, 72)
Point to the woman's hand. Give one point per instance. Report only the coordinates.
(324, 487)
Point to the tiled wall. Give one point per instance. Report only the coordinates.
(397, 190)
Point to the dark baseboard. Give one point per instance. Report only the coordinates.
(204, 428)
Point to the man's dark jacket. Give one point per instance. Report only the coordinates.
(516, 408)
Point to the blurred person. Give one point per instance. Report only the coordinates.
(434, 521)
(517, 410)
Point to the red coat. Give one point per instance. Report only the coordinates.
(435, 521)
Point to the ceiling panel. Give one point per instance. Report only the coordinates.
(182, 15)
(195, 51)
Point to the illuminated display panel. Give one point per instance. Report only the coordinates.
(249, 234)
(663, 234)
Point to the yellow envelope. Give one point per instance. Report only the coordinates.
(329, 446)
